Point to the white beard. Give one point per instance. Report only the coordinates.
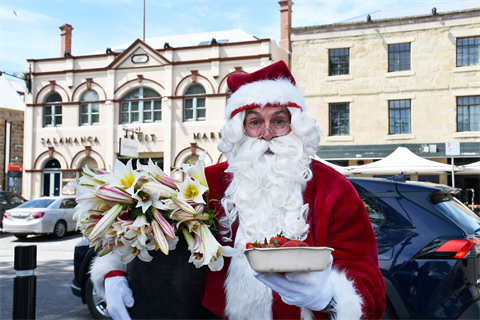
(266, 198)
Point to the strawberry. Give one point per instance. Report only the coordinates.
(278, 241)
(294, 243)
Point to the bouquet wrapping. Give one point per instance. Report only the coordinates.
(134, 211)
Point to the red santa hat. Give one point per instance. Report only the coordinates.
(273, 85)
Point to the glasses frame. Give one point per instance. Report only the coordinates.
(270, 129)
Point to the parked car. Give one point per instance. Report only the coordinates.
(9, 200)
(43, 215)
(428, 251)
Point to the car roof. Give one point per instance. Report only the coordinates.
(431, 185)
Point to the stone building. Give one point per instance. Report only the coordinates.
(12, 109)
(163, 97)
(402, 77)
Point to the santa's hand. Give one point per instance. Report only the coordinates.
(118, 295)
(302, 289)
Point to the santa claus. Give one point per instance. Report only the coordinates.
(270, 185)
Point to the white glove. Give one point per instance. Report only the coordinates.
(302, 289)
(118, 295)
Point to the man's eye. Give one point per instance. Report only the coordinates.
(254, 122)
(279, 121)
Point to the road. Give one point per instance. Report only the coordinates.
(54, 276)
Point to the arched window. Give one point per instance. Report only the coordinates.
(194, 107)
(52, 111)
(89, 108)
(141, 105)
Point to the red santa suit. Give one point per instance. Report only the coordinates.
(337, 219)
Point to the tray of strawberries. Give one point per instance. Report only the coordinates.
(281, 254)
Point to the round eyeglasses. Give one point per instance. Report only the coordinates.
(276, 129)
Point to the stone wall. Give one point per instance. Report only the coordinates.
(16, 144)
(432, 84)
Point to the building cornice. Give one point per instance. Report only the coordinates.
(383, 23)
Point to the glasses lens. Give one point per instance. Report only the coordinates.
(279, 129)
(254, 131)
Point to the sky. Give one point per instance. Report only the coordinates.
(29, 29)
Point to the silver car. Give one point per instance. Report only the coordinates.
(41, 215)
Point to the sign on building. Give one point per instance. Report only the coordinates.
(128, 148)
(452, 148)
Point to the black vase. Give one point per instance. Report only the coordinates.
(168, 287)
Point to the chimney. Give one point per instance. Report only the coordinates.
(285, 24)
(66, 35)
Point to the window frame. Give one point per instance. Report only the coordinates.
(338, 71)
(55, 106)
(409, 108)
(141, 106)
(195, 98)
(89, 113)
(468, 105)
(460, 48)
(399, 59)
(339, 112)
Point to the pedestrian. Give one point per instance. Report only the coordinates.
(270, 185)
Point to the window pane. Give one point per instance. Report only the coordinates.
(124, 118)
(134, 106)
(399, 116)
(135, 94)
(149, 93)
(58, 110)
(95, 118)
(84, 109)
(95, 107)
(399, 57)
(54, 97)
(339, 119)
(195, 89)
(124, 106)
(58, 120)
(47, 120)
(188, 104)
(157, 116)
(135, 117)
(339, 61)
(147, 116)
(90, 95)
(188, 114)
(467, 51)
(147, 105)
(84, 119)
(157, 105)
(48, 111)
(468, 113)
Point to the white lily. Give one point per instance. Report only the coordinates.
(197, 171)
(123, 177)
(191, 190)
(137, 230)
(210, 252)
(156, 173)
(106, 221)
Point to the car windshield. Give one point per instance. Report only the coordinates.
(460, 214)
(37, 203)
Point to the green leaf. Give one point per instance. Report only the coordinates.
(135, 213)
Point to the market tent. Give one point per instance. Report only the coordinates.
(342, 170)
(402, 160)
(472, 168)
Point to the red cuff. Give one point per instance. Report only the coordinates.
(114, 273)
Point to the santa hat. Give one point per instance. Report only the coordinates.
(273, 85)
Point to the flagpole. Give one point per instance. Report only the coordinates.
(143, 20)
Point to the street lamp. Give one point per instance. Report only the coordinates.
(27, 77)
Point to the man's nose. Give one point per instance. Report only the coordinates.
(267, 134)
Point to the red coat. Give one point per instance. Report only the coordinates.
(338, 219)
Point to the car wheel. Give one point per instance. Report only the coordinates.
(96, 304)
(389, 312)
(20, 235)
(60, 230)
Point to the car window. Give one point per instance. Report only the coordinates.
(37, 203)
(16, 200)
(3, 199)
(68, 204)
(460, 214)
(377, 218)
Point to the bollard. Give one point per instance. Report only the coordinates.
(25, 282)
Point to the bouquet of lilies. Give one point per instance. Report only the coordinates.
(133, 211)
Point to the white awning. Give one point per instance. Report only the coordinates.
(402, 160)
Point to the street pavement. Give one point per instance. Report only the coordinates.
(54, 298)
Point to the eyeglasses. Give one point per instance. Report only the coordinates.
(277, 129)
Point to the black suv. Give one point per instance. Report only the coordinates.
(9, 200)
(428, 251)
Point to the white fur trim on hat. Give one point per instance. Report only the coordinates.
(276, 92)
